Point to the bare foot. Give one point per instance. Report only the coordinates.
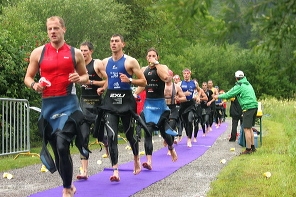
(147, 165)
(82, 177)
(69, 192)
(173, 155)
(189, 143)
(115, 177)
(137, 165)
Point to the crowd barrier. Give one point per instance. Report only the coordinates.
(15, 127)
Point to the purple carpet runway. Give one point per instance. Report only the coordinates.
(100, 185)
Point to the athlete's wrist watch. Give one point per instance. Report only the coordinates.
(130, 79)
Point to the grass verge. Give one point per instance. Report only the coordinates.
(243, 176)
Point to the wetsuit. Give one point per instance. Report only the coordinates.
(187, 109)
(61, 115)
(218, 111)
(119, 103)
(206, 111)
(155, 112)
(213, 108)
(89, 102)
(174, 115)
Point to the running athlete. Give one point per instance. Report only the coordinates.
(200, 98)
(119, 102)
(62, 66)
(173, 96)
(211, 103)
(205, 108)
(90, 100)
(187, 109)
(156, 113)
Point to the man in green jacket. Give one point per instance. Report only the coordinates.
(247, 99)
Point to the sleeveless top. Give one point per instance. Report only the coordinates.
(56, 65)
(113, 70)
(155, 86)
(90, 90)
(188, 86)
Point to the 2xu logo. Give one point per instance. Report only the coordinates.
(114, 95)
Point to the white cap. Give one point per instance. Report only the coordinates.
(239, 74)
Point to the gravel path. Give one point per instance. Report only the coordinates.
(192, 180)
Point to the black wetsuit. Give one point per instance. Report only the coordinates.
(187, 109)
(212, 116)
(119, 103)
(89, 102)
(174, 108)
(155, 99)
(205, 112)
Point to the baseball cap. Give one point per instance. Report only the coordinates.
(239, 74)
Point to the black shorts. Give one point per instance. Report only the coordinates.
(249, 117)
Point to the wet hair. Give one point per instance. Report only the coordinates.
(186, 70)
(61, 20)
(176, 77)
(152, 49)
(118, 35)
(88, 44)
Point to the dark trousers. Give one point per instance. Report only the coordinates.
(234, 125)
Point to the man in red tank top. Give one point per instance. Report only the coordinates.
(62, 66)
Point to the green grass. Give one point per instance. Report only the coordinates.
(243, 176)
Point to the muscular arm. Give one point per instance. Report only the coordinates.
(141, 80)
(80, 69)
(140, 88)
(32, 69)
(180, 96)
(133, 68)
(101, 72)
(163, 72)
(203, 96)
(104, 74)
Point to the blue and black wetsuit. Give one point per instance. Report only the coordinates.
(156, 113)
(119, 103)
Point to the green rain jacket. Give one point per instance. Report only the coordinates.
(244, 92)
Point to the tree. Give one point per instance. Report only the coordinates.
(90, 20)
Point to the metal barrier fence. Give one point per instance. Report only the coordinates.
(15, 126)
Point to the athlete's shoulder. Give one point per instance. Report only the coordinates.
(105, 60)
(130, 58)
(144, 68)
